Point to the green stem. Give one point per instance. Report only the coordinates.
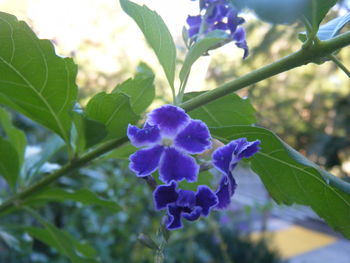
(68, 168)
(299, 58)
(339, 64)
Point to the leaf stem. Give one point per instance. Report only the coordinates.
(339, 64)
(299, 58)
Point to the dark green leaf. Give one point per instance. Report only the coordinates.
(9, 162)
(157, 35)
(62, 241)
(123, 152)
(288, 10)
(291, 10)
(226, 111)
(200, 48)
(291, 178)
(83, 196)
(88, 132)
(34, 80)
(34, 163)
(114, 111)
(140, 89)
(15, 136)
(10, 240)
(147, 241)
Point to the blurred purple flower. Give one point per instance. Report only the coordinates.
(218, 15)
(225, 159)
(183, 203)
(169, 136)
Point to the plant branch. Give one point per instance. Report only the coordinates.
(299, 58)
(294, 60)
(17, 199)
(339, 64)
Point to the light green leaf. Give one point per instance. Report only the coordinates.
(34, 80)
(200, 48)
(14, 135)
(114, 111)
(226, 111)
(9, 162)
(291, 178)
(83, 196)
(333, 27)
(157, 35)
(140, 89)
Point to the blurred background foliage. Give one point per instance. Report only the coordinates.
(308, 107)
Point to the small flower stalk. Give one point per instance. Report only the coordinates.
(218, 15)
(172, 143)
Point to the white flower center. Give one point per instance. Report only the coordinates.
(167, 141)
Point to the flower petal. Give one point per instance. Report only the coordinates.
(145, 161)
(206, 199)
(174, 217)
(164, 195)
(243, 149)
(186, 199)
(147, 136)
(194, 138)
(194, 21)
(170, 119)
(225, 191)
(193, 214)
(226, 158)
(222, 157)
(177, 166)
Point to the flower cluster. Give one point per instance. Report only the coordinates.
(168, 139)
(218, 15)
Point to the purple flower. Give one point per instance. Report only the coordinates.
(169, 136)
(183, 203)
(225, 159)
(218, 15)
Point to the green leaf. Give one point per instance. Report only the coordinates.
(317, 10)
(291, 178)
(51, 147)
(88, 132)
(9, 162)
(333, 27)
(114, 111)
(200, 48)
(83, 196)
(123, 152)
(140, 89)
(62, 241)
(226, 111)
(291, 10)
(157, 35)
(15, 136)
(34, 80)
(10, 240)
(288, 10)
(204, 178)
